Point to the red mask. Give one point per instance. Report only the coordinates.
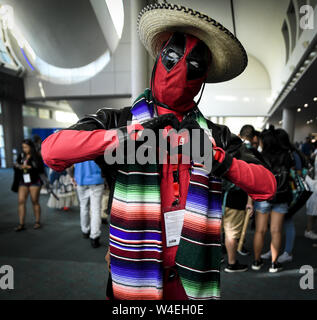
(180, 71)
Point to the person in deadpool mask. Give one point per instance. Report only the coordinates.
(179, 72)
(165, 224)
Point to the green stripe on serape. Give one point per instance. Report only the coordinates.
(208, 289)
(199, 257)
(137, 192)
(148, 168)
(137, 179)
(147, 95)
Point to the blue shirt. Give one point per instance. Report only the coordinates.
(87, 173)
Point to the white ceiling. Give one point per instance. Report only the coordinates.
(258, 27)
(65, 34)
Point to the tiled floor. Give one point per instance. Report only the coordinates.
(55, 262)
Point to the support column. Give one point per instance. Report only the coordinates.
(139, 56)
(12, 128)
(288, 119)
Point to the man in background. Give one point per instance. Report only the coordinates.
(236, 205)
(307, 148)
(90, 187)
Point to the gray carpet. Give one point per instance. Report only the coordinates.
(55, 262)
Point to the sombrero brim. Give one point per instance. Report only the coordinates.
(157, 22)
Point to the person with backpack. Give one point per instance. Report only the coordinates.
(280, 162)
(165, 221)
(311, 205)
(289, 227)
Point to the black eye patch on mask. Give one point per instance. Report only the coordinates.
(197, 61)
(173, 51)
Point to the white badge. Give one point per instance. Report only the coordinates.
(173, 226)
(26, 178)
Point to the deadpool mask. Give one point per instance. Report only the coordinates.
(180, 70)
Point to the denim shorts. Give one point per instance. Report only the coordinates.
(267, 207)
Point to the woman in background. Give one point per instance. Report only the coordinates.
(273, 211)
(27, 171)
(289, 226)
(311, 204)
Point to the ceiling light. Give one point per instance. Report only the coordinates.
(315, 99)
(299, 110)
(305, 105)
(306, 62)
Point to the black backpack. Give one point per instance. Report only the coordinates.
(281, 171)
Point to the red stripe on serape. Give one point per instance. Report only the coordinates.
(136, 213)
(135, 254)
(210, 237)
(199, 179)
(216, 186)
(136, 224)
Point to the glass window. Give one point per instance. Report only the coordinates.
(44, 113)
(29, 111)
(27, 132)
(2, 151)
(63, 116)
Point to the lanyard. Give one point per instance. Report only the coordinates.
(175, 170)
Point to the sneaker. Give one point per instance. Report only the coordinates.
(19, 228)
(267, 255)
(86, 235)
(257, 265)
(275, 267)
(244, 252)
(95, 243)
(310, 235)
(285, 257)
(237, 267)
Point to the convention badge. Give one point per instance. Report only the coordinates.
(173, 226)
(26, 178)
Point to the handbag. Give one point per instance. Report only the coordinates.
(300, 193)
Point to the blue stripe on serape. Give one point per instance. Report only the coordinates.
(136, 248)
(135, 235)
(142, 110)
(139, 273)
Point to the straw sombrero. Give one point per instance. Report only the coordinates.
(156, 23)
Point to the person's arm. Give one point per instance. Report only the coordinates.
(85, 140)
(91, 137)
(257, 181)
(250, 206)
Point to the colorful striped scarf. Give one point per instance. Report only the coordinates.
(136, 228)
